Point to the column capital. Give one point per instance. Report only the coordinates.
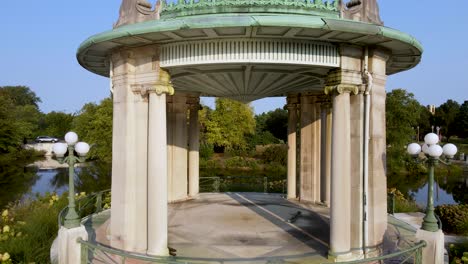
(162, 85)
(342, 88)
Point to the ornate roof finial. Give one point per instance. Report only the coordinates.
(134, 11)
(363, 10)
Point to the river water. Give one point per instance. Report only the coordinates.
(28, 182)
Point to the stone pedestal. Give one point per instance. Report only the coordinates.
(433, 253)
(69, 250)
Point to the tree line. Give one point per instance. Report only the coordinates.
(230, 126)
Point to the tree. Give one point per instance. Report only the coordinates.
(275, 122)
(20, 95)
(94, 125)
(461, 122)
(445, 117)
(55, 124)
(19, 116)
(402, 116)
(229, 124)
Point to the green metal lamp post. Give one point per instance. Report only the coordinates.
(72, 218)
(432, 152)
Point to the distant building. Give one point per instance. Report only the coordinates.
(432, 109)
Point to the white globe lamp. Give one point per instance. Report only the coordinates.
(431, 139)
(450, 150)
(413, 149)
(71, 138)
(82, 148)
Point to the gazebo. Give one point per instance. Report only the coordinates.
(330, 59)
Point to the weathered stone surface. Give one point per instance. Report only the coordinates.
(366, 11)
(134, 11)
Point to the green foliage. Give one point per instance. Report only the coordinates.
(403, 114)
(274, 122)
(458, 253)
(206, 151)
(55, 124)
(241, 162)
(229, 124)
(454, 218)
(276, 154)
(445, 117)
(461, 123)
(262, 138)
(32, 229)
(402, 204)
(20, 95)
(94, 125)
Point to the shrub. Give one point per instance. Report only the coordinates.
(241, 162)
(31, 229)
(454, 218)
(206, 151)
(276, 154)
(403, 204)
(458, 253)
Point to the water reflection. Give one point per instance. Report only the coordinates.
(448, 189)
(15, 180)
(19, 182)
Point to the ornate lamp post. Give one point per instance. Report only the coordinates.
(72, 218)
(432, 152)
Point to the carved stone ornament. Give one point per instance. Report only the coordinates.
(342, 88)
(363, 10)
(135, 11)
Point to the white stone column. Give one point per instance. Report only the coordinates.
(325, 158)
(292, 144)
(194, 146)
(130, 79)
(377, 190)
(340, 211)
(357, 141)
(157, 167)
(307, 160)
(317, 152)
(178, 148)
(328, 155)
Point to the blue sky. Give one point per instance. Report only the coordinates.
(39, 40)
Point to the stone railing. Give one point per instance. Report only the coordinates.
(198, 7)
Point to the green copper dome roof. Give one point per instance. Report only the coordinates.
(310, 7)
(303, 20)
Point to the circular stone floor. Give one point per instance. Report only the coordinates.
(242, 228)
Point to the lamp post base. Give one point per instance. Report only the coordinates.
(433, 253)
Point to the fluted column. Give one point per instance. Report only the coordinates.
(194, 146)
(328, 155)
(340, 211)
(157, 167)
(316, 137)
(177, 147)
(325, 149)
(292, 150)
(307, 159)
